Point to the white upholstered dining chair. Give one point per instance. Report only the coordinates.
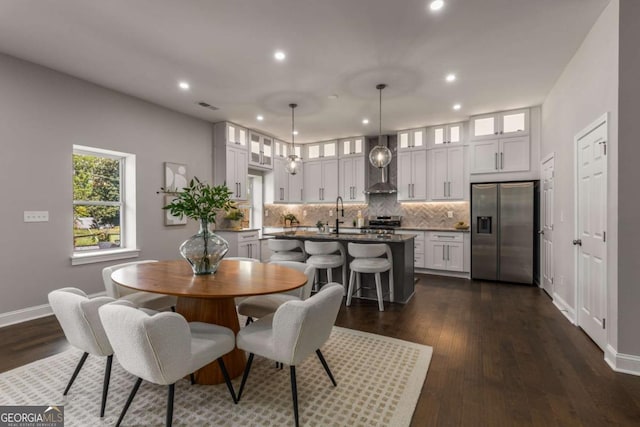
(163, 348)
(142, 299)
(79, 319)
(292, 333)
(262, 305)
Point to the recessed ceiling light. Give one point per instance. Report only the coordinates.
(436, 5)
(365, 121)
(333, 96)
(183, 85)
(450, 77)
(260, 118)
(295, 132)
(279, 55)
(457, 107)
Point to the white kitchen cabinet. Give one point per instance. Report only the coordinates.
(236, 172)
(265, 251)
(446, 135)
(446, 173)
(412, 175)
(351, 146)
(412, 139)
(444, 251)
(231, 134)
(261, 151)
(321, 181)
(242, 243)
(418, 247)
(352, 179)
(502, 124)
(282, 187)
(321, 150)
(500, 155)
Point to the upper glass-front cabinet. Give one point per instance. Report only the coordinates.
(236, 135)
(261, 151)
(506, 123)
(412, 139)
(451, 134)
(351, 146)
(320, 150)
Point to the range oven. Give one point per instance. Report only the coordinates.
(384, 225)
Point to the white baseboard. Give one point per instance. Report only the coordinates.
(565, 308)
(31, 313)
(623, 363)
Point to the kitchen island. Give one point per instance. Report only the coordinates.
(402, 248)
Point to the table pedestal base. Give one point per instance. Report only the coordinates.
(219, 311)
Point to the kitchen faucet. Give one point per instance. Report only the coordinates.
(338, 222)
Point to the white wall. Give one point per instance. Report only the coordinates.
(629, 176)
(587, 88)
(42, 114)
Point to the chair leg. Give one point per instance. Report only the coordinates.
(173, 308)
(350, 291)
(227, 380)
(136, 386)
(379, 292)
(249, 320)
(326, 367)
(245, 375)
(294, 393)
(391, 295)
(344, 275)
(358, 284)
(76, 372)
(192, 377)
(172, 390)
(105, 384)
(316, 280)
(329, 275)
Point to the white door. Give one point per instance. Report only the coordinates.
(484, 156)
(312, 181)
(455, 256)
(546, 222)
(455, 173)
(436, 255)
(242, 167)
(330, 180)
(591, 209)
(419, 173)
(514, 154)
(438, 166)
(404, 176)
(296, 185)
(358, 179)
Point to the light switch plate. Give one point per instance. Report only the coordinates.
(450, 214)
(36, 216)
(304, 214)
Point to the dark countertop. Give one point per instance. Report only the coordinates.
(434, 229)
(237, 230)
(393, 238)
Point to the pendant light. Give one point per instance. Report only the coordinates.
(380, 156)
(293, 161)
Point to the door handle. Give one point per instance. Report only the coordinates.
(577, 242)
(501, 160)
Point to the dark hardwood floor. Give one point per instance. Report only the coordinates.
(503, 356)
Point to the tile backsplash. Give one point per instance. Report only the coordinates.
(423, 215)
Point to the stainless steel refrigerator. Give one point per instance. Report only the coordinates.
(504, 225)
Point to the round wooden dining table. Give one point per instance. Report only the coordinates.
(210, 298)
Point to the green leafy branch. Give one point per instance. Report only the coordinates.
(199, 201)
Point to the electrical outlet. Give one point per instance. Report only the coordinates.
(304, 214)
(330, 212)
(36, 216)
(449, 214)
(266, 212)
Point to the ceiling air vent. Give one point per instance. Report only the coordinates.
(207, 105)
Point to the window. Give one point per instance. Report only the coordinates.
(103, 205)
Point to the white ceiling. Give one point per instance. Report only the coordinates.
(506, 54)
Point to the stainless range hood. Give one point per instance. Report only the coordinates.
(383, 186)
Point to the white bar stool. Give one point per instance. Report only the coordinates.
(324, 255)
(285, 250)
(367, 260)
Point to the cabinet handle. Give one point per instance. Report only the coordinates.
(444, 189)
(240, 189)
(501, 132)
(501, 160)
(301, 197)
(496, 133)
(495, 160)
(448, 253)
(319, 193)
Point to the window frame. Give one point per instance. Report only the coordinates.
(128, 244)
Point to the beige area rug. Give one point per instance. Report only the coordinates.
(379, 381)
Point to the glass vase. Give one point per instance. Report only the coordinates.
(204, 250)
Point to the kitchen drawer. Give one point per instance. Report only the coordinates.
(418, 246)
(440, 236)
(248, 235)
